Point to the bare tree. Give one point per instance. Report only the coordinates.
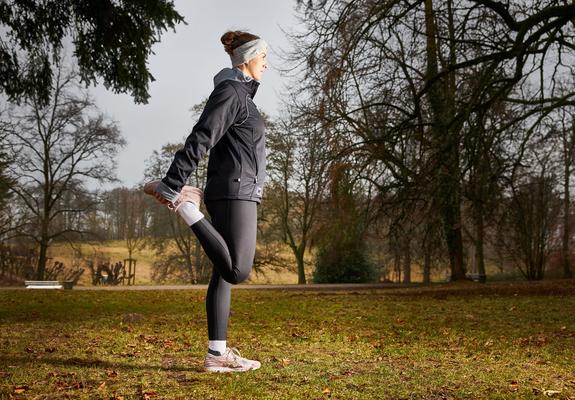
(125, 216)
(395, 73)
(565, 130)
(527, 225)
(180, 255)
(298, 163)
(57, 149)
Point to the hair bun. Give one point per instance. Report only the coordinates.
(233, 39)
(228, 39)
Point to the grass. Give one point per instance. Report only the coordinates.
(466, 341)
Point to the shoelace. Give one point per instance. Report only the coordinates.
(235, 352)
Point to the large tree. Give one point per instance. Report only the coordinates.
(566, 132)
(8, 221)
(57, 149)
(111, 39)
(392, 76)
(4, 179)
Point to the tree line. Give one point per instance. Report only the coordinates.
(452, 124)
(436, 134)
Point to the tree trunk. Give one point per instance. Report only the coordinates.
(45, 216)
(44, 227)
(198, 257)
(479, 236)
(300, 267)
(397, 266)
(406, 261)
(192, 270)
(427, 265)
(452, 228)
(42, 259)
(566, 222)
(446, 149)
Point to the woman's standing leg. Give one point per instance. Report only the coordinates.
(236, 222)
(229, 240)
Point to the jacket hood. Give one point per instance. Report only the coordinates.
(235, 74)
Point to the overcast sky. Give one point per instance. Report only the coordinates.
(184, 65)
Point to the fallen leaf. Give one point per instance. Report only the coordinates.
(102, 385)
(326, 391)
(551, 393)
(20, 389)
(148, 394)
(110, 373)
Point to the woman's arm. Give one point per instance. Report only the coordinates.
(220, 112)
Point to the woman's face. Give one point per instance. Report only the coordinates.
(257, 65)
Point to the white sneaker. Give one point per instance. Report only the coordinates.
(230, 361)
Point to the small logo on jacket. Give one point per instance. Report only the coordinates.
(258, 191)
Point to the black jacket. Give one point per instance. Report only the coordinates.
(233, 130)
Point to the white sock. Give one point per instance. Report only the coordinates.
(217, 345)
(190, 213)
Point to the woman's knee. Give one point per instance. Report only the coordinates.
(238, 276)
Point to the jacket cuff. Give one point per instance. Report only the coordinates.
(167, 192)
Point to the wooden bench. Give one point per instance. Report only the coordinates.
(43, 285)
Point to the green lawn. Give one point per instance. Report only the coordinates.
(469, 341)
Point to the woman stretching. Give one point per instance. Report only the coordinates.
(231, 127)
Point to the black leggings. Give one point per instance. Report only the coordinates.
(230, 243)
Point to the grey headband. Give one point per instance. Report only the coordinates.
(247, 51)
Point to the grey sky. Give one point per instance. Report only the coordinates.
(184, 65)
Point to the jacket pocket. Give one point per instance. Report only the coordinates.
(255, 154)
(219, 187)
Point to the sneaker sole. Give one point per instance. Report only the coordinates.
(228, 369)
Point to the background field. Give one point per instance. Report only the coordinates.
(464, 341)
(114, 251)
